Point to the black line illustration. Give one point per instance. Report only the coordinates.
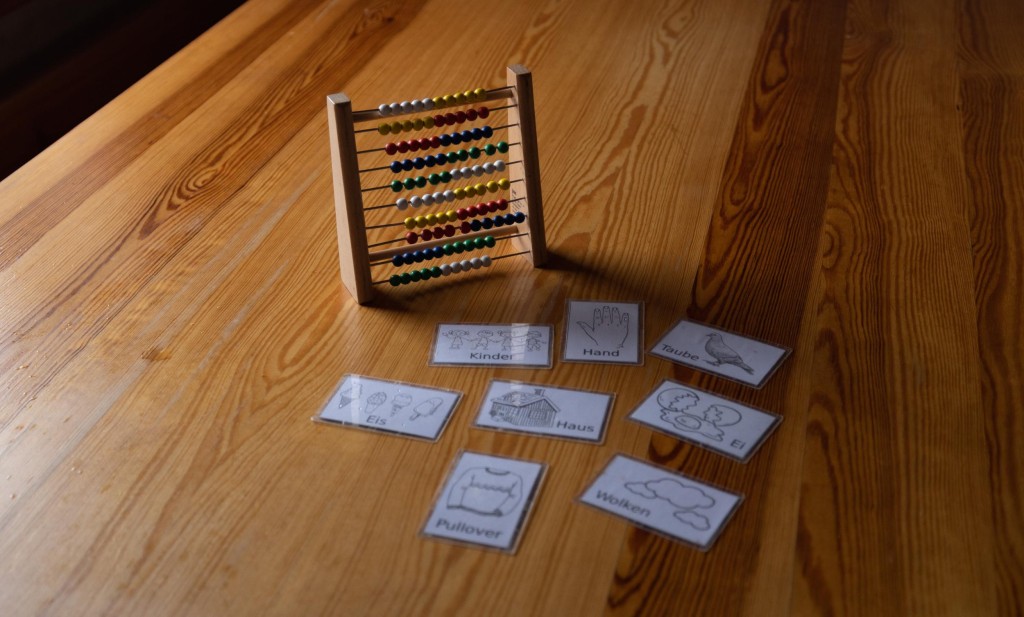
(522, 408)
(426, 408)
(686, 498)
(534, 340)
(486, 491)
(400, 402)
(483, 339)
(676, 404)
(723, 354)
(456, 337)
(374, 402)
(609, 328)
(349, 394)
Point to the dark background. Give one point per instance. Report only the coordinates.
(61, 60)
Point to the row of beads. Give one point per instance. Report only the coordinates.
(447, 176)
(456, 215)
(450, 157)
(455, 267)
(429, 122)
(438, 141)
(459, 246)
(429, 104)
(429, 199)
(466, 227)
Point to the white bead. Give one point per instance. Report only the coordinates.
(499, 165)
(417, 105)
(445, 269)
(384, 109)
(406, 106)
(456, 267)
(478, 170)
(396, 108)
(489, 168)
(440, 197)
(456, 174)
(486, 261)
(449, 195)
(476, 263)
(428, 104)
(415, 201)
(428, 199)
(467, 172)
(402, 203)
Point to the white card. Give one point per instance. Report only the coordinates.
(661, 500)
(516, 344)
(603, 332)
(485, 501)
(391, 407)
(545, 410)
(703, 418)
(740, 358)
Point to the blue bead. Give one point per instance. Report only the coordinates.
(419, 163)
(408, 258)
(396, 166)
(474, 225)
(499, 221)
(407, 165)
(455, 138)
(396, 260)
(446, 140)
(478, 133)
(488, 131)
(437, 251)
(487, 223)
(417, 256)
(519, 217)
(467, 135)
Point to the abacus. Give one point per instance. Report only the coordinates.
(516, 219)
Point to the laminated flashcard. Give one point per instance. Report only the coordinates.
(485, 501)
(662, 501)
(390, 407)
(719, 352)
(545, 410)
(603, 332)
(716, 423)
(496, 344)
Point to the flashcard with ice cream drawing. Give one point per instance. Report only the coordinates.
(716, 423)
(720, 352)
(603, 332)
(390, 407)
(492, 344)
(485, 501)
(662, 501)
(545, 410)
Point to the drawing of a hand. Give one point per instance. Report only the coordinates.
(609, 328)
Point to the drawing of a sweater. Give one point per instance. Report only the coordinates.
(491, 492)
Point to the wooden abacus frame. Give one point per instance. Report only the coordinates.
(524, 189)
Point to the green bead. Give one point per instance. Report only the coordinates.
(463, 155)
(503, 146)
(425, 274)
(474, 152)
(414, 276)
(434, 178)
(479, 242)
(396, 186)
(459, 246)
(406, 278)
(452, 157)
(446, 176)
(489, 241)
(395, 280)
(490, 149)
(410, 183)
(435, 272)
(448, 249)
(421, 181)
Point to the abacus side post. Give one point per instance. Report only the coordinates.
(348, 200)
(521, 114)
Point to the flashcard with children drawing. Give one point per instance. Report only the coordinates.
(493, 344)
(713, 422)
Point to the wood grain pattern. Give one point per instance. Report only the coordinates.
(840, 178)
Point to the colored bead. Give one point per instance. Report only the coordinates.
(405, 107)
(440, 198)
(485, 261)
(401, 203)
(484, 112)
(519, 217)
(424, 143)
(395, 166)
(412, 237)
(455, 174)
(415, 275)
(459, 97)
(468, 135)
(475, 225)
(396, 108)
(471, 114)
(502, 204)
(440, 120)
(434, 178)
(478, 170)
(474, 152)
(427, 104)
(408, 125)
(463, 155)
(476, 133)
(428, 199)
(481, 189)
(503, 147)
(402, 146)
(445, 139)
(480, 93)
(384, 109)
(460, 117)
(489, 241)
(460, 193)
(395, 280)
(396, 127)
(488, 167)
(478, 242)
(396, 260)
(410, 223)
(499, 166)
(450, 118)
(449, 195)
(449, 231)
(466, 227)
(446, 176)
(487, 131)
(437, 252)
(435, 272)
(418, 124)
(415, 201)
(435, 141)
(499, 221)
(456, 267)
(490, 149)
(448, 99)
(492, 186)
(441, 217)
(408, 258)
(503, 183)
(486, 223)
(460, 246)
(439, 232)
(417, 105)
(462, 213)
(384, 129)
(446, 270)
(438, 101)
(448, 249)
(431, 219)
(426, 234)
(476, 263)
(456, 138)
(391, 148)
(413, 145)
(396, 186)
(421, 222)
(406, 278)
(419, 162)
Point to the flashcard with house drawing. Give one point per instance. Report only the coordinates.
(539, 409)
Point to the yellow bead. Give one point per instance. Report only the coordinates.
(431, 219)
(428, 122)
(418, 124)
(442, 217)
(460, 193)
(384, 129)
(492, 186)
(396, 127)
(438, 102)
(469, 96)
(407, 125)
(421, 221)
(410, 222)
(459, 98)
(481, 94)
(452, 215)
(481, 189)
(448, 100)
(503, 183)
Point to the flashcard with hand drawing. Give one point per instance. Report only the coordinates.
(716, 423)
(603, 332)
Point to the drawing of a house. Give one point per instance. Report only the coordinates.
(522, 408)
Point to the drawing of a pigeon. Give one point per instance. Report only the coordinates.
(724, 354)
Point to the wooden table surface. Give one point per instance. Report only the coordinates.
(845, 179)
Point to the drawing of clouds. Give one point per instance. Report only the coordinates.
(692, 519)
(672, 491)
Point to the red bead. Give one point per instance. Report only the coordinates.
(439, 120)
(427, 234)
(473, 210)
(483, 112)
(465, 227)
(502, 204)
(492, 206)
(449, 231)
(462, 213)
(403, 146)
(460, 116)
(414, 145)
(412, 237)
(435, 142)
(425, 143)
(439, 232)
(471, 114)
(449, 118)
(391, 148)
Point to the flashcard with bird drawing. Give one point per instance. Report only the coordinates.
(740, 358)
(603, 332)
(716, 423)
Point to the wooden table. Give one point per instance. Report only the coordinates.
(844, 179)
